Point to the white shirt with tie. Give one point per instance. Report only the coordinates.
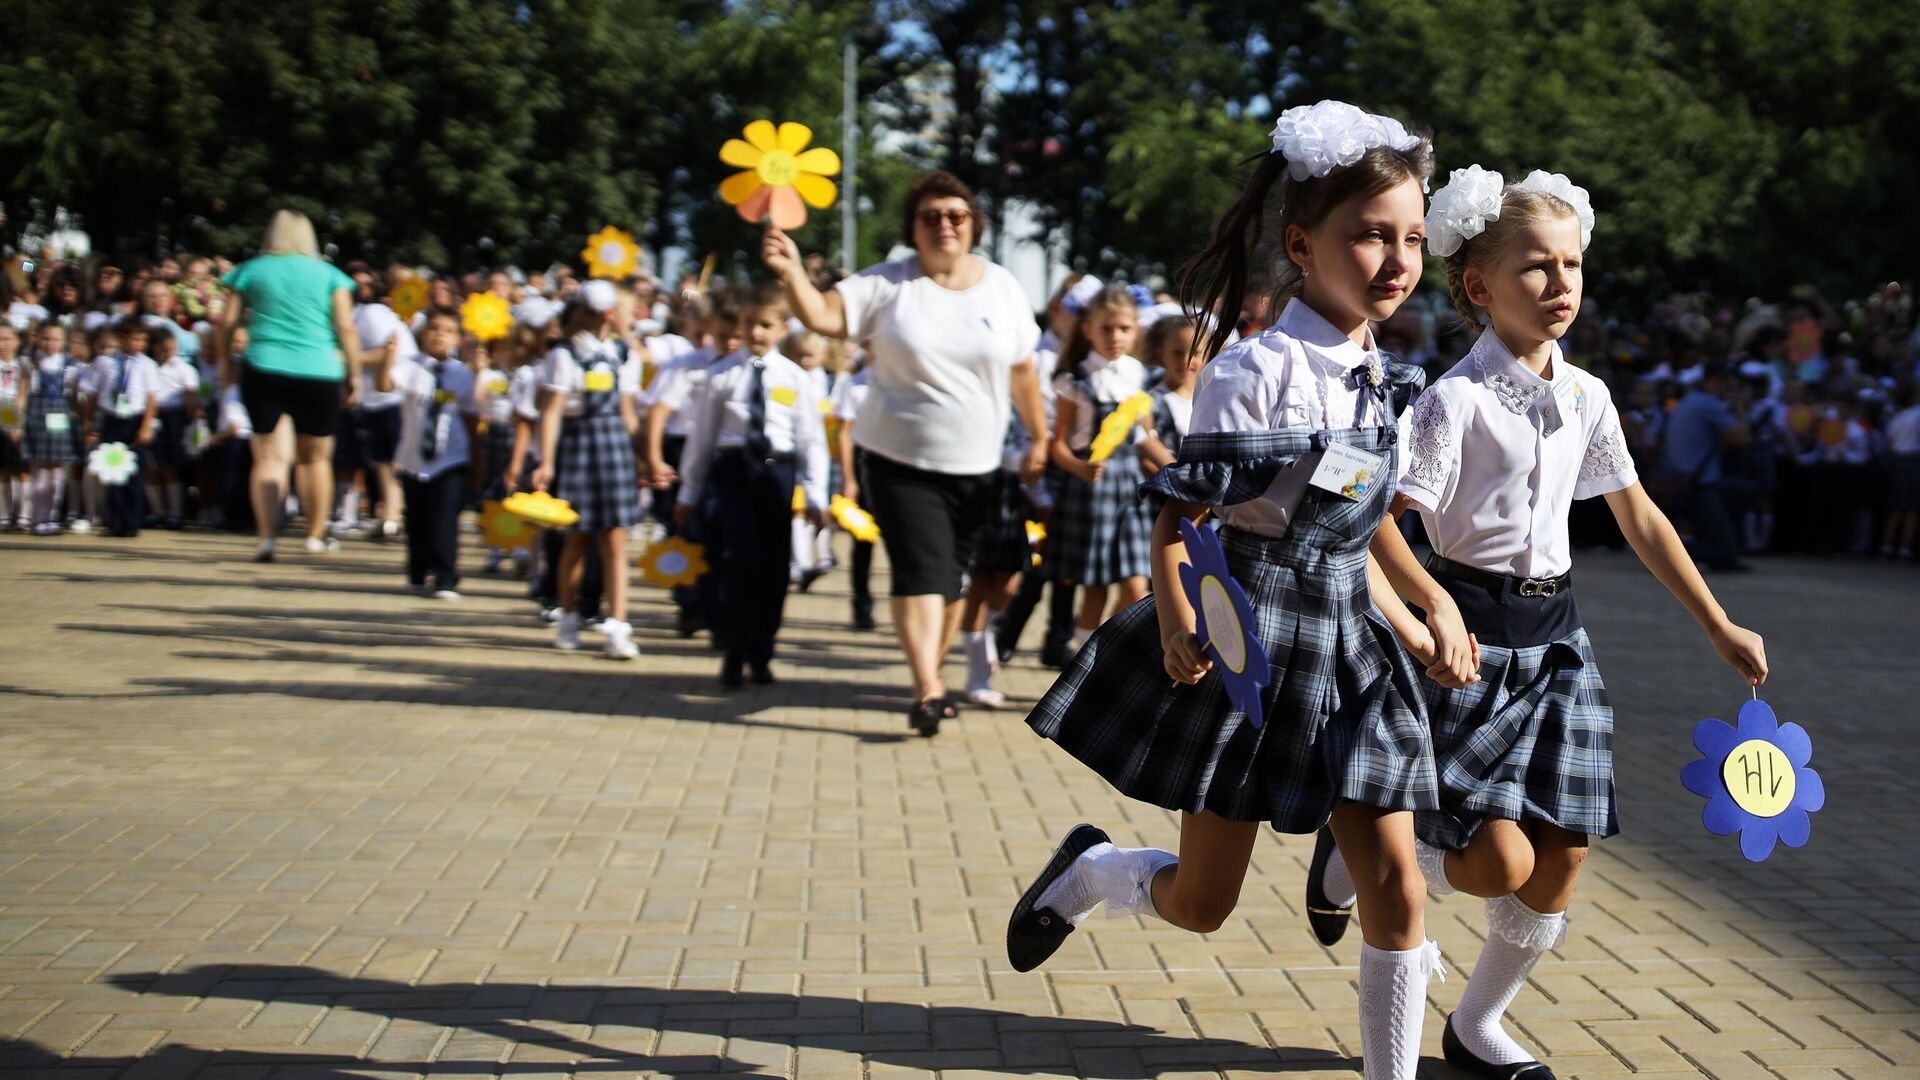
(721, 416)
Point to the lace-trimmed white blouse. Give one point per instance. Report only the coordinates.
(1496, 454)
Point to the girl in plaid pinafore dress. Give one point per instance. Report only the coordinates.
(1100, 534)
(1345, 735)
(588, 459)
(52, 414)
(1524, 756)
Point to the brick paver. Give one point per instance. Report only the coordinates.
(285, 821)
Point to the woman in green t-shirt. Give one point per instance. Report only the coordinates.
(298, 310)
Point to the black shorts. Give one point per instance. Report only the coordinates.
(314, 404)
(928, 521)
(380, 434)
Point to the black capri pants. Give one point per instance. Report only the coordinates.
(929, 522)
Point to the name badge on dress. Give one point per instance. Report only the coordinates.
(57, 423)
(1347, 472)
(599, 382)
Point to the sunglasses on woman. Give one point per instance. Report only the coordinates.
(932, 218)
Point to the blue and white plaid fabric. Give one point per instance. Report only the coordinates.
(1002, 547)
(1345, 716)
(43, 447)
(1101, 533)
(593, 471)
(1531, 741)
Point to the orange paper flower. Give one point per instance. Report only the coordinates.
(408, 297)
(672, 562)
(782, 176)
(505, 531)
(486, 316)
(611, 253)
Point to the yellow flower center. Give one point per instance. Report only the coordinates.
(777, 168)
(1760, 778)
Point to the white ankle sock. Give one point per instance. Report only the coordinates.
(981, 660)
(1517, 938)
(1121, 878)
(1393, 1007)
(1433, 863)
(1339, 881)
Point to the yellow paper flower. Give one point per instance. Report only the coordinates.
(505, 531)
(540, 509)
(1036, 534)
(858, 523)
(408, 297)
(672, 562)
(486, 316)
(799, 498)
(782, 176)
(1113, 431)
(10, 418)
(611, 253)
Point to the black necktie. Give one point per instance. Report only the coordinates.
(430, 438)
(757, 443)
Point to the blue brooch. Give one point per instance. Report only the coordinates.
(1224, 620)
(1755, 779)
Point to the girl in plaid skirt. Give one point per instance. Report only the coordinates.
(1500, 447)
(1336, 237)
(586, 458)
(14, 512)
(52, 414)
(1099, 533)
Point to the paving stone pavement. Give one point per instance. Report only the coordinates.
(287, 821)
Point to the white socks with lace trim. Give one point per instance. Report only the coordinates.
(1393, 1007)
(1517, 938)
(1433, 864)
(1121, 878)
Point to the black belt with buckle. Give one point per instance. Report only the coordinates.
(1501, 584)
(782, 457)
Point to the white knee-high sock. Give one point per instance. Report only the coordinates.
(1517, 938)
(34, 509)
(1433, 864)
(1339, 881)
(1393, 1007)
(46, 494)
(16, 509)
(1121, 878)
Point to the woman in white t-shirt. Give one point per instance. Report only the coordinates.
(950, 338)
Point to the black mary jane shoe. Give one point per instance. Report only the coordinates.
(924, 717)
(1329, 921)
(1461, 1058)
(1033, 934)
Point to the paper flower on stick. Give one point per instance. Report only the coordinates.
(782, 177)
(408, 297)
(9, 416)
(113, 463)
(1224, 620)
(505, 531)
(1117, 426)
(540, 509)
(673, 562)
(611, 253)
(1755, 779)
(486, 316)
(858, 523)
(1036, 535)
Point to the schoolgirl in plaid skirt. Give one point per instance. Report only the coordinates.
(1500, 447)
(586, 457)
(1098, 537)
(1344, 737)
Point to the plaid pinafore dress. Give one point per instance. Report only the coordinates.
(1344, 714)
(593, 465)
(1101, 533)
(49, 396)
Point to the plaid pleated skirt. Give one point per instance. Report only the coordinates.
(499, 454)
(45, 447)
(1102, 533)
(170, 437)
(594, 471)
(1531, 741)
(1343, 714)
(1002, 547)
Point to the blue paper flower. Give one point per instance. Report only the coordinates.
(1755, 780)
(1224, 620)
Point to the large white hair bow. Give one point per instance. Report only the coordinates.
(1319, 138)
(1558, 186)
(1461, 210)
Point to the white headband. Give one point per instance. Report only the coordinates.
(1473, 197)
(1319, 138)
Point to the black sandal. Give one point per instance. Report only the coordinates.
(925, 717)
(1328, 921)
(1461, 1058)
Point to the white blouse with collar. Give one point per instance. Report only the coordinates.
(1496, 455)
